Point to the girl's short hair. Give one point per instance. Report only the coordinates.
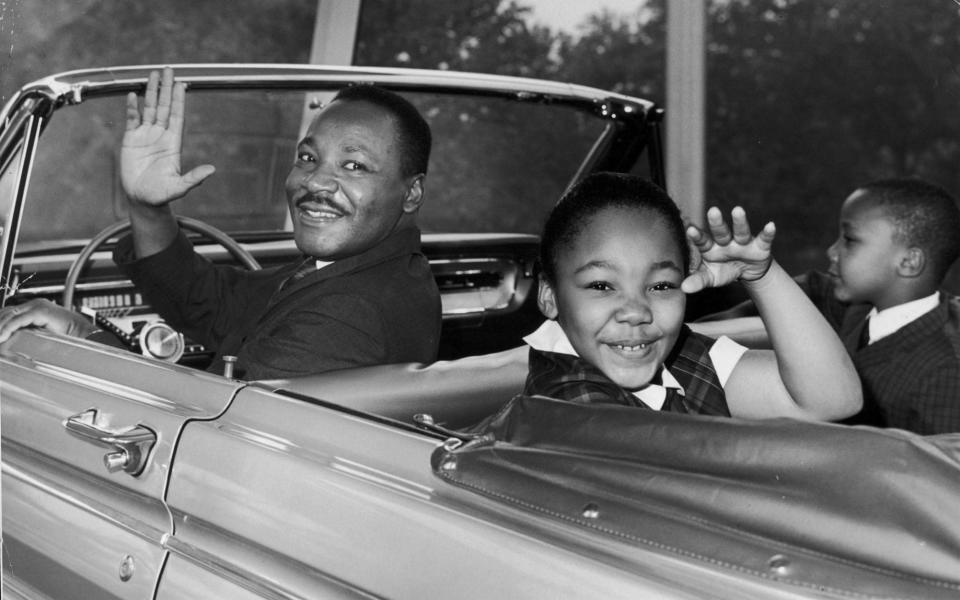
(597, 192)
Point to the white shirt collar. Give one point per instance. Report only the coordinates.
(550, 337)
(885, 322)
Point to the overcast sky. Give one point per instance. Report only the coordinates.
(567, 14)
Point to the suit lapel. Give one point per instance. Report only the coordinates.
(851, 329)
(400, 243)
(904, 340)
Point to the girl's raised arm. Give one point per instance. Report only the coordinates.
(808, 374)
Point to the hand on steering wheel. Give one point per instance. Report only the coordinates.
(209, 231)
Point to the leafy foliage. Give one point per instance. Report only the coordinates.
(806, 99)
(809, 98)
(482, 36)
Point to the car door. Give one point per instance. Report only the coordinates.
(293, 496)
(89, 434)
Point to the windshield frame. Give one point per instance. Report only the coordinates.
(632, 123)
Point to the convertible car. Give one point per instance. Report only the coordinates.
(136, 473)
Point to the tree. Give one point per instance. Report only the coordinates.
(809, 98)
(60, 35)
(486, 138)
(485, 36)
(625, 54)
(806, 98)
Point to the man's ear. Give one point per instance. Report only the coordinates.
(414, 196)
(546, 299)
(912, 263)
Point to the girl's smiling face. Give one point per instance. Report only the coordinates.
(617, 294)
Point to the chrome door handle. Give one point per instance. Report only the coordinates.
(130, 448)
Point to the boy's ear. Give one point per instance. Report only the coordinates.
(912, 263)
(546, 299)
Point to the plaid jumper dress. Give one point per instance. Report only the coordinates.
(567, 377)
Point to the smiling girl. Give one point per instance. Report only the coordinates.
(616, 268)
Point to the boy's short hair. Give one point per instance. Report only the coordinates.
(925, 216)
(599, 191)
(415, 138)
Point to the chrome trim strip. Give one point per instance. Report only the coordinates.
(256, 584)
(117, 519)
(381, 478)
(15, 588)
(71, 86)
(120, 284)
(471, 260)
(10, 226)
(105, 386)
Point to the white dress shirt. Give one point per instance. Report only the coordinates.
(885, 322)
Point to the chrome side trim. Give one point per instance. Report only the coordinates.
(121, 521)
(105, 386)
(256, 584)
(15, 588)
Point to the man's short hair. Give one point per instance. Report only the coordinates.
(415, 138)
(925, 216)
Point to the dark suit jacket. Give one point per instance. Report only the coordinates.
(378, 307)
(911, 378)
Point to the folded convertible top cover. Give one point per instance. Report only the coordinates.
(850, 509)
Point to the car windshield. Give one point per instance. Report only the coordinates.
(496, 166)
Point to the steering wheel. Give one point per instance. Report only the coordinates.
(73, 275)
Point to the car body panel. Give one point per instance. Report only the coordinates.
(97, 527)
(62, 507)
(356, 501)
(843, 510)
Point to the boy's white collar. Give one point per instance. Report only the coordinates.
(550, 337)
(885, 322)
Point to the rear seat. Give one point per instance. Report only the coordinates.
(456, 393)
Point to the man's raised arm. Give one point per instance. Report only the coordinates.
(150, 162)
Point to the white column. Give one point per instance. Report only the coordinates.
(335, 32)
(685, 105)
(334, 39)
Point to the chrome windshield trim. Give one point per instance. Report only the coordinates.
(73, 86)
(28, 131)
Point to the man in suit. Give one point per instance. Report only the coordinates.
(362, 294)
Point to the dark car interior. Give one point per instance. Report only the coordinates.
(487, 284)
